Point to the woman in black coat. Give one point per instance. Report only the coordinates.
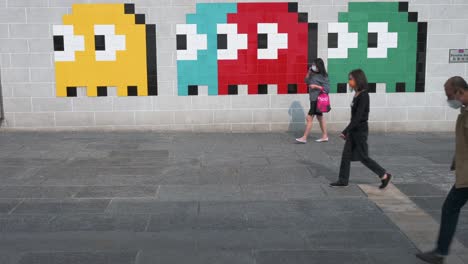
(356, 134)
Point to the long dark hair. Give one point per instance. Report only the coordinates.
(320, 66)
(361, 80)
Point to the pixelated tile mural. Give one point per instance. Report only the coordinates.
(105, 45)
(383, 39)
(244, 48)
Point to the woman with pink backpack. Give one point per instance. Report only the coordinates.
(319, 87)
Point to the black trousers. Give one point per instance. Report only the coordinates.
(356, 149)
(455, 200)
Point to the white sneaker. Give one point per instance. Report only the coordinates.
(301, 140)
(320, 140)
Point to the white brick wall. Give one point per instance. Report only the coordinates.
(27, 72)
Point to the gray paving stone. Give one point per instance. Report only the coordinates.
(37, 191)
(155, 154)
(29, 223)
(151, 206)
(205, 221)
(111, 146)
(117, 191)
(268, 175)
(222, 216)
(102, 162)
(28, 162)
(391, 256)
(219, 176)
(99, 223)
(464, 258)
(340, 204)
(281, 191)
(79, 257)
(181, 180)
(356, 240)
(208, 198)
(420, 189)
(67, 180)
(127, 180)
(47, 206)
(310, 257)
(7, 172)
(128, 170)
(8, 257)
(59, 172)
(430, 203)
(250, 239)
(6, 205)
(196, 257)
(199, 193)
(365, 221)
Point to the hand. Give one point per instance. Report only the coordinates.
(343, 136)
(314, 86)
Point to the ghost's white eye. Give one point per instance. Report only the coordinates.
(379, 40)
(189, 42)
(270, 41)
(107, 43)
(229, 41)
(66, 43)
(340, 40)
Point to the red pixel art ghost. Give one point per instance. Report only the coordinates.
(265, 44)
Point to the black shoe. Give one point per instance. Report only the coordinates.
(431, 257)
(338, 184)
(386, 181)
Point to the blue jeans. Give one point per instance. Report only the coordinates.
(455, 200)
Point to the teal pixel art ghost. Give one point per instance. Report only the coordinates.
(197, 60)
(383, 39)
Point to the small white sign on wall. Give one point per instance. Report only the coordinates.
(458, 56)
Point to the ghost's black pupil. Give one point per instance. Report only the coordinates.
(372, 40)
(332, 40)
(262, 41)
(181, 41)
(222, 41)
(100, 42)
(59, 44)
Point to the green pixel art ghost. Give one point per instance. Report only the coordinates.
(383, 39)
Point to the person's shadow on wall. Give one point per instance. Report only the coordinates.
(296, 117)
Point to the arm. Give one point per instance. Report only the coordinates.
(326, 87)
(323, 85)
(362, 104)
(314, 86)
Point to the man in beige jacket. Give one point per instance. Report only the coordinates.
(456, 90)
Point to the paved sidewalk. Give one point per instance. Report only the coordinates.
(145, 197)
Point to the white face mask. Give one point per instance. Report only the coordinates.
(314, 68)
(455, 104)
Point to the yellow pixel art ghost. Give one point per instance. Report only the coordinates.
(105, 45)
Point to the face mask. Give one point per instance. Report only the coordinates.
(314, 68)
(455, 104)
